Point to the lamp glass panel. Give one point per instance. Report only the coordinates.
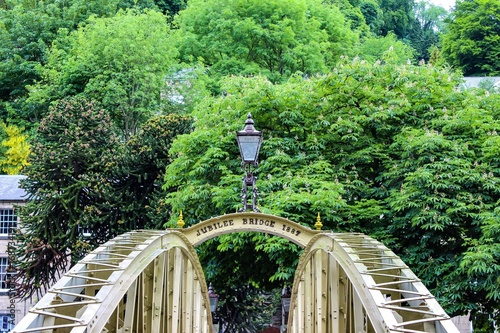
(285, 301)
(213, 304)
(249, 146)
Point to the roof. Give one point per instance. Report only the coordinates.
(481, 81)
(9, 188)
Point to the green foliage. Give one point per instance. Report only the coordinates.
(27, 29)
(244, 309)
(86, 187)
(171, 7)
(387, 48)
(391, 150)
(353, 14)
(472, 42)
(397, 17)
(68, 185)
(142, 169)
(274, 38)
(14, 149)
(427, 28)
(125, 71)
(373, 15)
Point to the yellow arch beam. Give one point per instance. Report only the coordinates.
(353, 283)
(91, 295)
(344, 283)
(238, 222)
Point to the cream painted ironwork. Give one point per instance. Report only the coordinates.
(151, 281)
(141, 281)
(351, 283)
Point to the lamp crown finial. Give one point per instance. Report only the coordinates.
(249, 124)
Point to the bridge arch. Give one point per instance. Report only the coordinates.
(252, 221)
(141, 281)
(348, 282)
(152, 281)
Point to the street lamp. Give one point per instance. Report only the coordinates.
(286, 296)
(214, 299)
(249, 142)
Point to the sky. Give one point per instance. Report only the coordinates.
(447, 4)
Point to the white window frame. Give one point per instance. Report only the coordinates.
(5, 323)
(4, 264)
(8, 221)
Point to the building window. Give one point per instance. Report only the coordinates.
(8, 220)
(4, 263)
(6, 322)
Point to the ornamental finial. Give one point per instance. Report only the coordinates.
(318, 225)
(180, 221)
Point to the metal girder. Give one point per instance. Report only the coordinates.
(151, 281)
(351, 283)
(141, 281)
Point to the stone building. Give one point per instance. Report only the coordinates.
(11, 196)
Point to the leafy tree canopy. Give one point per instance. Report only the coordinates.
(397, 17)
(14, 149)
(387, 48)
(393, 151)
(373, 15)
(68, 188)
(472, 42)
(85, 186)
(427, 28)
(142, 168)
(274, 38)
(121, 62)
(27, 31)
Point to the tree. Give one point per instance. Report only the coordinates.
(125, 72)
(391, 150)
(27, 29)
(274, 38)
(141, 171)
(170, 7)
(427, 28)
(397, 17)
(69, 190)
(353, 15)
(384, 48)
(373, 15)
(14, 149)
(85, 187)
(472, 42)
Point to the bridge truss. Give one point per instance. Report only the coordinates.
(352, 283)
(151, 281)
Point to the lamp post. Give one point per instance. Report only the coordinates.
(249, 142)
(286, 295)
(214, 299)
